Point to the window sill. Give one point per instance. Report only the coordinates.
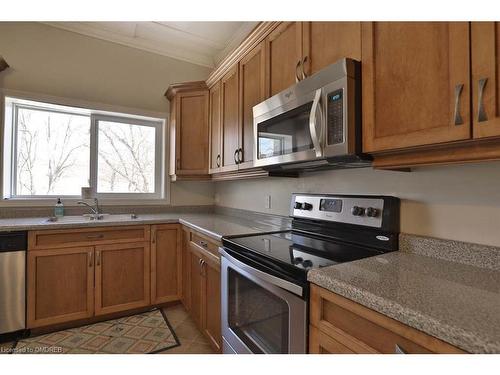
(72, 202)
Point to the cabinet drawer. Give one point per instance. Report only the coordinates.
(203, 243)
(44, 239)
(363, 330)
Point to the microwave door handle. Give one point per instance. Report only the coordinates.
(313, 120)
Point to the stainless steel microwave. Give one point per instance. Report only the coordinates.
(314, 124)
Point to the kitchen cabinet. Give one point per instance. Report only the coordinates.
(230, 121)
(60, 285)
(204, 290)
(324, 43)
(339, 325)
(186, 270)
(189, 133)
(485, 44)
(215, 128)
(166, 263)
(416, 88)
(284, 56)
(252, 91)
(122, 277)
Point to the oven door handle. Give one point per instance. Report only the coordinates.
(313, 120)
(291, 287)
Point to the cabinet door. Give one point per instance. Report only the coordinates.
(211, 301)
(415, 84)
(215, 128)
(191, 133)
(284, 54)
(485, 44)
(326, 42)
(166, 263)
(252, 92)
(230, 123)
(320, 343)
(60, 285)
(122, 277)
(196, 291)
(186, 271)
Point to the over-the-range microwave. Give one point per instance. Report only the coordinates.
(314, 124)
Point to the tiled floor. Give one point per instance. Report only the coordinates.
(191, 339)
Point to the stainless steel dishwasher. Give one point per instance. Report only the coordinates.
(12, 281)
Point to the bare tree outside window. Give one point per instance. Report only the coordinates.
(126, 158)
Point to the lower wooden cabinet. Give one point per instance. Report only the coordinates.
(122, 277)
(340, 326)
(166, 263)
(60, 285)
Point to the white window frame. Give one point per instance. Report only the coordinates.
(96, 112)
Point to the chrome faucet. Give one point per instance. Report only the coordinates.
(96, 214)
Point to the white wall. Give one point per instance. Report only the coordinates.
(55, 62)
(459, 202)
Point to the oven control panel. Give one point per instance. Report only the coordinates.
(360, 210)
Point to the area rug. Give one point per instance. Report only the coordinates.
(144, 333)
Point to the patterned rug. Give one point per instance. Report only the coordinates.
(144, 333)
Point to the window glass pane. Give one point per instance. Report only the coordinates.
(126, 158)
(52, 154)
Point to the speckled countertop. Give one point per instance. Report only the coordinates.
(211, 224)
(455, 302)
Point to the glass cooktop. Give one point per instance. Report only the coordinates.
(300, 250)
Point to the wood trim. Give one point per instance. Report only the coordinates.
(33, 236)
(154, 298)
(453, 153)
(255, 37)
(182, 87)
(31, 321)
(99, 310)
(420, 338)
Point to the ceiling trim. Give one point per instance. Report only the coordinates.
(169, 49)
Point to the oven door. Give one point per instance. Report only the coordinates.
(260, 313)
(288, 131)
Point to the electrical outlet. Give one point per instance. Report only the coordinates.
(268, 202)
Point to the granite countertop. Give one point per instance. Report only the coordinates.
(455, 302)
(210, 224)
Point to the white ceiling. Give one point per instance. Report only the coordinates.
(202, 43)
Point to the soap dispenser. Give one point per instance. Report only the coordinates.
(59, 208)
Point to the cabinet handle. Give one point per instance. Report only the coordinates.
(98, 258)
(90, 259)
(457, 117)
(399, 350)
(235, 156)
(203, 268)
(200, 262)
(203, 243)
(94, 236)
(297, 78)
(302, 72)
(217, 161)
(240, 156)
(481, 113)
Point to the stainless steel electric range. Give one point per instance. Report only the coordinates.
(264, 276)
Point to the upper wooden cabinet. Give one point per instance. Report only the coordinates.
(485, 46)
(252, 91)
(230, 120)
(416, 87)
(189, 133)
(215, 128)
(284, 56)
(166, 263)
(324, 43)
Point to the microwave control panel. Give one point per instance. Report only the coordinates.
(335, 117)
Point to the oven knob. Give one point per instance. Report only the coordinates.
(371, 212)
(298, 206)
(297, 260)
(307, 263)
(308, 206)
(357, 211)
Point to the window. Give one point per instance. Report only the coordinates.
(54, 151)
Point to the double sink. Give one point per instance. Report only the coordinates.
(89, 218)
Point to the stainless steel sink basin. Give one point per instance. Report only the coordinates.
(89, 218)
